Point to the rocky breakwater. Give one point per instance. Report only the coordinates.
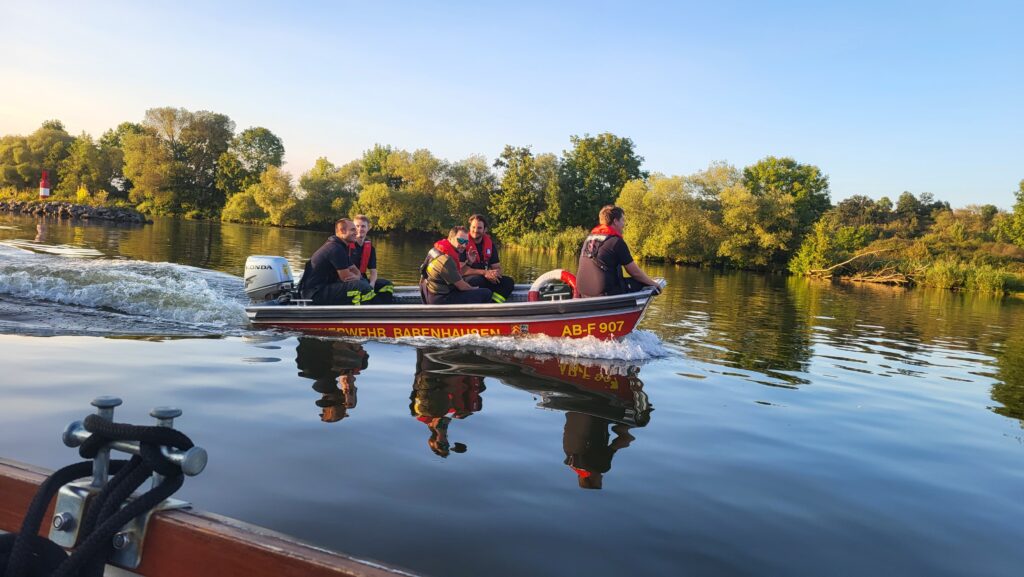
(72, 211)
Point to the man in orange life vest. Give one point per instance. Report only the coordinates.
(330, 278)
(603, 257)
(441, 281)
(483, 266)
(364, 255)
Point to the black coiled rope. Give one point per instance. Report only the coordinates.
(26, 554)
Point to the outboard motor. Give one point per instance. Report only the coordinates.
(268, 278)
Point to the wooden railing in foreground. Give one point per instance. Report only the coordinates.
(199, 544)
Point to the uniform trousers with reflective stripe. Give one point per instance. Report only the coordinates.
(501, 289)
(354, 292)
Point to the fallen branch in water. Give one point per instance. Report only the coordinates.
(828, 271)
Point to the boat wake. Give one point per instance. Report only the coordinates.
(50, 294)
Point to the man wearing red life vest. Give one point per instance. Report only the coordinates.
(483, 266)
(364, 255)
(330, 278)
(440, 274)
(603, 257)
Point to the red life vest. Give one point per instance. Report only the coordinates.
(446, 247)
(604, 230)
(473, 256)
(364, 257)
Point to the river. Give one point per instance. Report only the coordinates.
(755, 425)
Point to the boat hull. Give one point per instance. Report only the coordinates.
(601, 317)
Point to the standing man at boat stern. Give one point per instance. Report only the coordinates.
(603, 257)
(363, 254)
(483, 266)
(441, 281)
(330, 278)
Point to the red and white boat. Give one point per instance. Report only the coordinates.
(544, 308)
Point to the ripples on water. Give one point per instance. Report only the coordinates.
(755, 426)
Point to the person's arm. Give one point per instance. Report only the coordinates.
(634, 271)
(348, 274)
(372, 275)
(470, 271)
(463, 285)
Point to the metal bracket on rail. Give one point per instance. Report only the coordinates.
(74, 499)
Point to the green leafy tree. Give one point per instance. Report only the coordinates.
(515, 206)
(242, 207)
(275, 195)
(84, 168)
(805, 183)
(150, 165)
(111, 149)
(48, 146)
(250, 154)
(677, 218)
(1011, 228)
(593, 173)
(758, 228)
(17, 165)
(328, 191)
(202, 141)
(548, 169)
(467, 186)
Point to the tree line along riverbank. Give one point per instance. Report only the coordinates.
(774, 215)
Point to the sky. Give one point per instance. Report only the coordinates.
(883, 97)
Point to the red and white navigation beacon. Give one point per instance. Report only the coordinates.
(44, 186)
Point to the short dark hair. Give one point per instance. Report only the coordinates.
(609, 214)
(455, 230)
(479, 217)
(340, 223)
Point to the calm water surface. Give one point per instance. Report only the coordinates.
(755, 426)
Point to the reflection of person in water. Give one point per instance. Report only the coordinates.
(333, 366)
(438, 397)
(587, 450)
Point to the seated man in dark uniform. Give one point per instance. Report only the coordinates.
(441, 280)
(364, 255)
(330, 278)
(603, 257)
(483, 266)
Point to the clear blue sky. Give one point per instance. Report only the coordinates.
(882, 96)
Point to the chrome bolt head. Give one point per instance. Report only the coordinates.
(63, 521)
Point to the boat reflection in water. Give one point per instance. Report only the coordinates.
(440, 393)
(602, 400)
(333, 366)
(599, 399)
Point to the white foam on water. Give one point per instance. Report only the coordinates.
(161, 291)
(637, 346)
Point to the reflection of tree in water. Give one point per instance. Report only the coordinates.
(744, 321)
(333, 366)
(1010, 392)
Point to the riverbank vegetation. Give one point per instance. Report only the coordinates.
(774, 215)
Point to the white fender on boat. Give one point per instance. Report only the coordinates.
(557, 275)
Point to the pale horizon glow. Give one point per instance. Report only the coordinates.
(882, 96)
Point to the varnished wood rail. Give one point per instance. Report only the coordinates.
(200, 544)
